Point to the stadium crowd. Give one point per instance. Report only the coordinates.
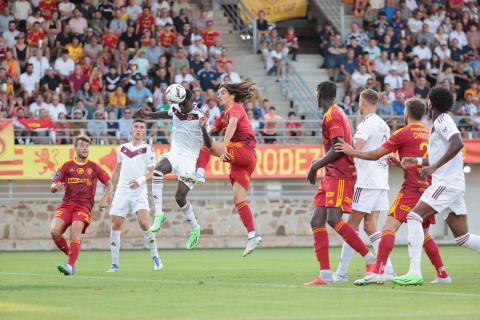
(405, 47)
(64, 62)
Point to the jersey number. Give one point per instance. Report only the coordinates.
(424, 147)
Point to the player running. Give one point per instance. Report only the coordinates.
(135, 163)
(447, 192)
(182, 157)
(371, 189)
(410, 141)
(334, 196)
(237, 148)
(78, 177)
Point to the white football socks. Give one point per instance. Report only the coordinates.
(150, 243)
(415, 242)
(190, 215)
(115, 245)
(157, 190)
(469, 240)
(345, 259)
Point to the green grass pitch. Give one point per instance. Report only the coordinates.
(220, 284)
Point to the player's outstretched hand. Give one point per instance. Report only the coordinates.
(408, 162)
(343, 147)
(103, 203)
(133, 184)
(204, 119)
(393, 161)
(427, 171)
(312, 174)
(225, 156)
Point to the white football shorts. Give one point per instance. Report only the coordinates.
(368, 200)
(124, 202)
(445, 200)
(181, 165)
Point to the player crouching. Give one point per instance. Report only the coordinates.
(78, 177)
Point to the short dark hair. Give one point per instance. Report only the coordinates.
(416, 108)
(81, 138)
(138, 120)
(441, 99)
(292, 113)
(272, 108)
(369, 95)
(327, 90)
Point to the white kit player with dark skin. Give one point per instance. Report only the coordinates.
(135, 162)
(371, 189)
(181, 159)
(447, 192)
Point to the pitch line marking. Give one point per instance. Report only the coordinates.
(250, 284)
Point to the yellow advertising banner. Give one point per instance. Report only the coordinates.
(33, 162)
(7, 140)
(278, 10)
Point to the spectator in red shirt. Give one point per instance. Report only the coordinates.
(36, 36)
(209, 34)
(146, 21)
(293, 126)
(167, 37)
(110, 39)
(76, 79)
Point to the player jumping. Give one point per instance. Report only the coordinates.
(410, 141)
(447, 192)
(237, 148)
(371, 189)
(334, 196)
(78, 177)
(135, 163)
(182, 157)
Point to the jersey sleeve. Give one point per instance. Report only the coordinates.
(151, 157)
(395, 141)
(102, 175)
(60, 174)
(447, 128)
(334, 127)
(119, 154)
(363, 131)
(237, 112)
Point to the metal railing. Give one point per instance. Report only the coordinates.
(244, 21)
(158, 132)
(334, 11)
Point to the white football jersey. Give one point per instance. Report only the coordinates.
(372, 174)
(187, 139)
(451, 173)
(135, 161)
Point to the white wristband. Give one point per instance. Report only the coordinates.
(141, 180)
(419, 161)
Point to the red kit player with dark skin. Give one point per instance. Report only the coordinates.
(78, 177)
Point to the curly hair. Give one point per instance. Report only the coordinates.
(441, 99)
(243, 91)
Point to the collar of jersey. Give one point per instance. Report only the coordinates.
(78, 163)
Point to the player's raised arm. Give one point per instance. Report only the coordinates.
(142, 113)
(342, 147)
(207, 140)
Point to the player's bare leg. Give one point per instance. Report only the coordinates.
(240, 200)
(321, 247)
(185, 205)
(57, 229)
(162, 168)
(115, 241)
(149, 238)
(76, 229)
(458, 225)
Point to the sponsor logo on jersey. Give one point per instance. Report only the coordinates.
(80, 171)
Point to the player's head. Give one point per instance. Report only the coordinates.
(326, 94)
(186, 105)
(138, 129)
(242, 92)
(81, 145)
(439, 99)
(414, 110)
(368, 101)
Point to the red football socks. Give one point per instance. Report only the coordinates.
(61, 244)
(351, 237)
(431, 249)
(321, 245)
(203, 158)
(246, 215)
(74, 251)
(384, 249)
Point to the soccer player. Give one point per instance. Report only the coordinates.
(334, 196)
(446, 194)
(181, 159)
(371, 189)
(135, 163)
(237, 148)
(410, 141)
(78, 177)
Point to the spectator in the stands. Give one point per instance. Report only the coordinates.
(137, 94)
(64, 65)
(357, 34)
(184, 76)
(29, 82)
(399, 105)
(125, 125)
(270, 128)
(421, 89)
(55, 108)
(382, 67)
(335, 53)
(422, 51)
(291, 42)
(234, 76)
(213, 108)
(274, 61)
(459, 35)
(262, 26)
(359, 80)
(324, 37)
(384, 107)
(381, 25)
(39, 104)
(347, 67)
(294, 127)
(393, 79)
(372, 49)
(209, 34)
(425, 36)
(207, 76)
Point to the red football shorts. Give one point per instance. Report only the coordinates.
(404, 204)
(334, 193)
(70, 212)
(243, 161)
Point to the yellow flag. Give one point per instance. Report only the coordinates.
(278, 10)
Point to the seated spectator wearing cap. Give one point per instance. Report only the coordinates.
(393, 79)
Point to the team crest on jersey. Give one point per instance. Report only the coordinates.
(89, 171)
(57, 174)
(80, 171)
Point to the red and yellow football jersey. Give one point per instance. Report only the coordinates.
(244, 132)
(411, 141)
(80, 181)
(209, 37)
(335, 125)
(167, 38)
(145, 22)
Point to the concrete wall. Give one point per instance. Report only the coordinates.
(24, 225)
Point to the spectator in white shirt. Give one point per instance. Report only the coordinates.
(40, 63)
(234, 76)
(393, 79)
(78, 23)
(158, 5)
(11, 34)
(274, 61)
(21, 10)
(184, 76)
(64, 65)
(5, 19)
(422, 51)
(459, 35)
(56, 108)
(133, 11)
(442, 51)
(29, 82)
(382, 66)
(66, 9)
(164, 18)
(39, 104)
(360, 78)
(214, 109)
(198, 47)
(415, 23)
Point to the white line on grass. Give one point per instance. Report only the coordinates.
(253, 284)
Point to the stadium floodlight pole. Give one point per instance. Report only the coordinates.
(342, 20)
